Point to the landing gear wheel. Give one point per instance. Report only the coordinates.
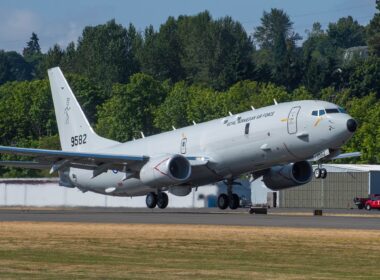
(234, 201)
(223, 201)
(317, 173)
(368, 207)
(162, 200)
(323, 173)
(151, 200)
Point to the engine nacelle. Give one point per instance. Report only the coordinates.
(165, 171)
(290, 175)
(180, 190)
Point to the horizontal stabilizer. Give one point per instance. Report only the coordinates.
(347, 155)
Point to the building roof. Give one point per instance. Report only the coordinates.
(351, 167)
(31, 181)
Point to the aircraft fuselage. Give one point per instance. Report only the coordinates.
(234, 145)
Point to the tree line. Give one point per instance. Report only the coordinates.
(193, 68)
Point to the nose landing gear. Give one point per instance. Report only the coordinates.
(230, 199)
(320, 173)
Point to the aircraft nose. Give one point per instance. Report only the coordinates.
(351, 125)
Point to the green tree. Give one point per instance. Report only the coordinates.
(89, 94)
(205, 104)
(232, 54)
(365, 77)
(366, 111)
(214, 53)
(346, 33)
(319, 60)
(53, 58)
(241, 96)
(131, 108)
(160, 55)
(26, 111)
(5, 74)
(373, 32)
(105, 53)
(32, 47)
(172, 112)
(69, 61)
(32, 53)
(277, 41)
(13, 67)
(301, 93)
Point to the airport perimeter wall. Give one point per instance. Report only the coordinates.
(45, 192)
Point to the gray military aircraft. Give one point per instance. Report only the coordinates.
(276, 143)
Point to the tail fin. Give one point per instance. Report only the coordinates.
(75, 132)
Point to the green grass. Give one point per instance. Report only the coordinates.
(98, 251)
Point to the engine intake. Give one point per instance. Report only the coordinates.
(165, 171)
(290, 175)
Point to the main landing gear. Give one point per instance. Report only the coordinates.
(230, 199)
(320, 173)
(161, 200)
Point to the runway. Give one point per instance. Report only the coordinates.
(296, 218)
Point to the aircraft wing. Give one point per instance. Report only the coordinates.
(56, 160)
(325, 155)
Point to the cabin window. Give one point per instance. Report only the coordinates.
(246, 130)
(314, 113)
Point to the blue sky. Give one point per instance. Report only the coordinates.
(63, 21)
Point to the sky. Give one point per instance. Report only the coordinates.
(63, 21)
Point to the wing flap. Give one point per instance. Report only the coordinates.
(55, 159)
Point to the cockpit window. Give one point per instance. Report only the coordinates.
(342, 110)
(332, 111)
(318, 113)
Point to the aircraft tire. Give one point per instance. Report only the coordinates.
(151, 200)
(234, 201)
(317, 173)
(323, 173)
(162, 200)
(223, 201)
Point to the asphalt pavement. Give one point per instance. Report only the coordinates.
(296, 218)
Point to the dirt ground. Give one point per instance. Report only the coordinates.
(130, 251)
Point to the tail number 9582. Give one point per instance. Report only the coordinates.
(78, 140)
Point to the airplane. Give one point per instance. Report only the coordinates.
(275, 143)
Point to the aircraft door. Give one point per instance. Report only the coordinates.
(292, 120)
(183, 145)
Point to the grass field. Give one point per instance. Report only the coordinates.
(111, 251)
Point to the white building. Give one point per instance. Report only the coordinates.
(45, 192)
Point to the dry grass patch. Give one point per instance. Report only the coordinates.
(112, 251)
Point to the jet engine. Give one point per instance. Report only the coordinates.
(286, 176)
(165, 171)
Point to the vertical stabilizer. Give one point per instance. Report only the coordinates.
(75, 132)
